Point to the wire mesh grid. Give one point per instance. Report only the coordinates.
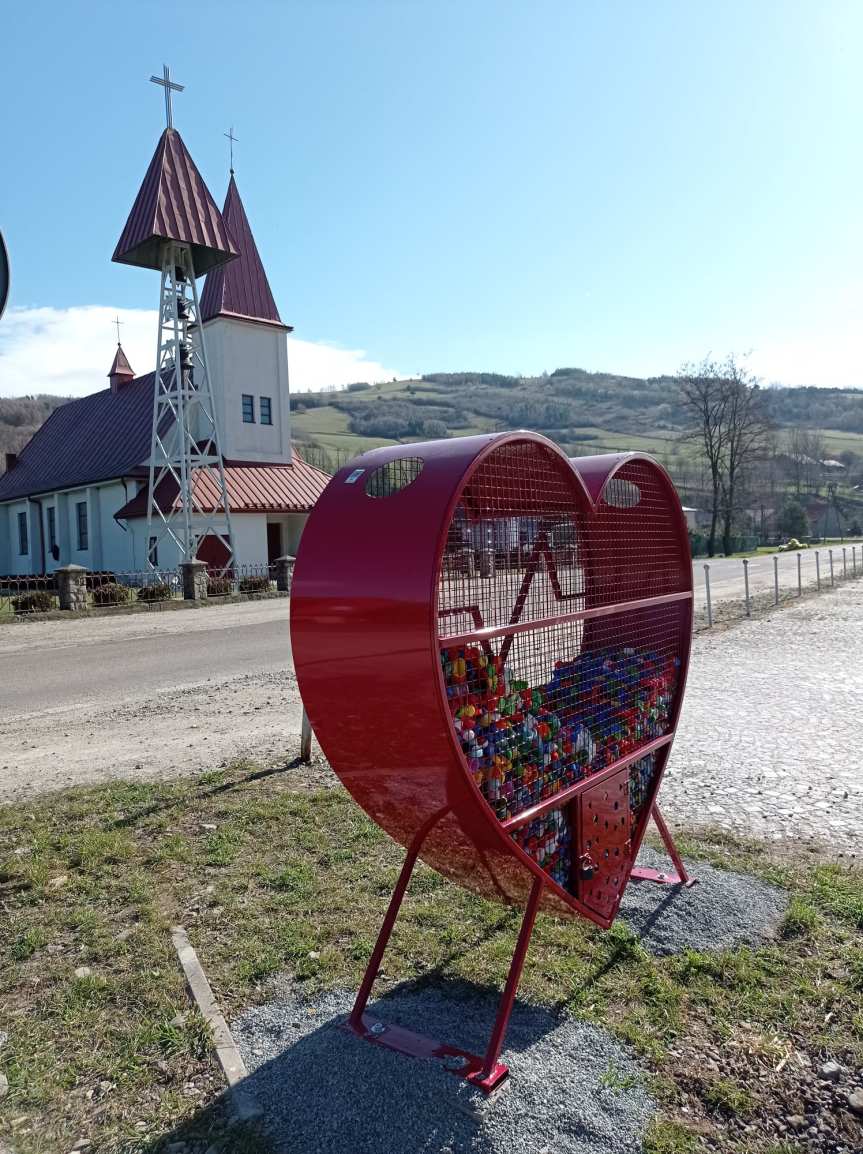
(634, 540)
(554, 711)
(512, 547)
(540, 707)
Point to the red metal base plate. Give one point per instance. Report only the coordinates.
(665, 878)
(461, 1063)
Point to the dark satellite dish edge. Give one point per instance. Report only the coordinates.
(4, 275)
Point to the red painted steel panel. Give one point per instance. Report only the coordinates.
(240, 288)
(410, 546)
(174, 203)
(604, 844)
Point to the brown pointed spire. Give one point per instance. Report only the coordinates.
(240, 289)
(173, 203)
(121, 371)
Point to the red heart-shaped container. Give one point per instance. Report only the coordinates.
(491, 643)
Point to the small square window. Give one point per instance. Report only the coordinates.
(266, 411)
(248, 409)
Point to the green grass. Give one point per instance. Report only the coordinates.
(296, 880)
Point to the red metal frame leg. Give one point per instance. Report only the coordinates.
(356, 1018)
(485, 1073)
(680, 876)
(492, 1071)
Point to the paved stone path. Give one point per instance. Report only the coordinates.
(771, 743)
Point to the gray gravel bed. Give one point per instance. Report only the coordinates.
(722, 911)
(572, 1089)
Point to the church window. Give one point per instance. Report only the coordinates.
(83, 528)
(266, 410)
(23, 536)
(153, 551)
(52, 528)
(248, 409)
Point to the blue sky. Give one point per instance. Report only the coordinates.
(497, 186)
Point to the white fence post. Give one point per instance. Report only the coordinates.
(746, 585)
(707, 592)
(818, 570)
(799, 574)
(305, 739)
(775, 578)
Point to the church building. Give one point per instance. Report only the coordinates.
(78, 491)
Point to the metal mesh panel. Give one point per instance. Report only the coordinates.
(545, 687)
(634, 546)
(394, 476)
(513, 542)
(551, 712)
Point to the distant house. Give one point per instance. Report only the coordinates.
(691, 518)
(77, 492)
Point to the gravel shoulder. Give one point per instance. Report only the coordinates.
(163, 735)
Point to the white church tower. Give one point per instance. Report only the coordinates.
(247, 348)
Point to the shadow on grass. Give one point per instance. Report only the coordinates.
(146, 811)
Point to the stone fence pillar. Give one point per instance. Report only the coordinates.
(194, 580)
(72, 587)
(284, 572)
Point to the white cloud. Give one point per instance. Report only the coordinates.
(68, 352)
(825, 349)
(829, 360)
(314, 365)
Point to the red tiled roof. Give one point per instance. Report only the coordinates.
(241, 288)
(173, 203)
(120, 366)
(96, 438)
(252, 488)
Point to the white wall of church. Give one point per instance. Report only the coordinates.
(249, 358)
(16, 562)
(249, 533)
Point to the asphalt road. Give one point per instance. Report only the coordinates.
(56, 664)
(726, 573)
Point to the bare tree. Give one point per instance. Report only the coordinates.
(703, 396)
(806, 450)
(746, 440)
(729, 422)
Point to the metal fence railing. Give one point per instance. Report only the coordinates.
(30, 593)
(740, 587)
(247, 580)
(150, 587)
(38, 593)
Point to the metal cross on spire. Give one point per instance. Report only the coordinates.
(168, 84)
(233, 139)
(118, 322)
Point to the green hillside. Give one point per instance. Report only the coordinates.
(583, 412)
